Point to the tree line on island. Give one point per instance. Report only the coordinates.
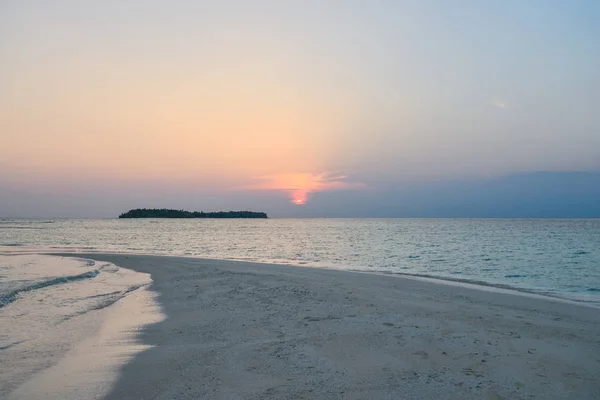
(168, 213)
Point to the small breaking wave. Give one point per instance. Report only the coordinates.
(12, 296)
(105, 300)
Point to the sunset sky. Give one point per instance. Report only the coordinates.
(283, 105)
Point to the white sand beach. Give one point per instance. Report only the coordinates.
(236, 330)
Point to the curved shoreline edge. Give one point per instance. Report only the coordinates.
(88, 348)
(440, 280)
(487, 286)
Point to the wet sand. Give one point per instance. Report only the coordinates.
(257, 331)
(70, 326)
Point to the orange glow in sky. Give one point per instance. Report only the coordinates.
(301, 186)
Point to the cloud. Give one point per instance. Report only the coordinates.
(500, 104)
(300, 186)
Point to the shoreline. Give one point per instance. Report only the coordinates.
(91, 366)
(440, 280)
(243, 330)
(487, 286)
(585, 290)
(56, 326)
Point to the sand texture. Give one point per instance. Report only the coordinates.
(256, 331)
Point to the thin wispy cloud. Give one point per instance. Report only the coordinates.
(500, 104)
(301, 186)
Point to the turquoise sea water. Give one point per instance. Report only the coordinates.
(554, 257)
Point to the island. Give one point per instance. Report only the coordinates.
(168, 213)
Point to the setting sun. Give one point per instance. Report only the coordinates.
(301, 186)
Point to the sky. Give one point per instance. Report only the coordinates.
(295, 108)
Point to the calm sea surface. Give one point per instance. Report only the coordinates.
(555, 257)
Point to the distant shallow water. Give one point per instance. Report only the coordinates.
(554, 257)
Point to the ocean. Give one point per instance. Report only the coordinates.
(555, 257)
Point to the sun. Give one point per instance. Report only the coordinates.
(301, 187)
